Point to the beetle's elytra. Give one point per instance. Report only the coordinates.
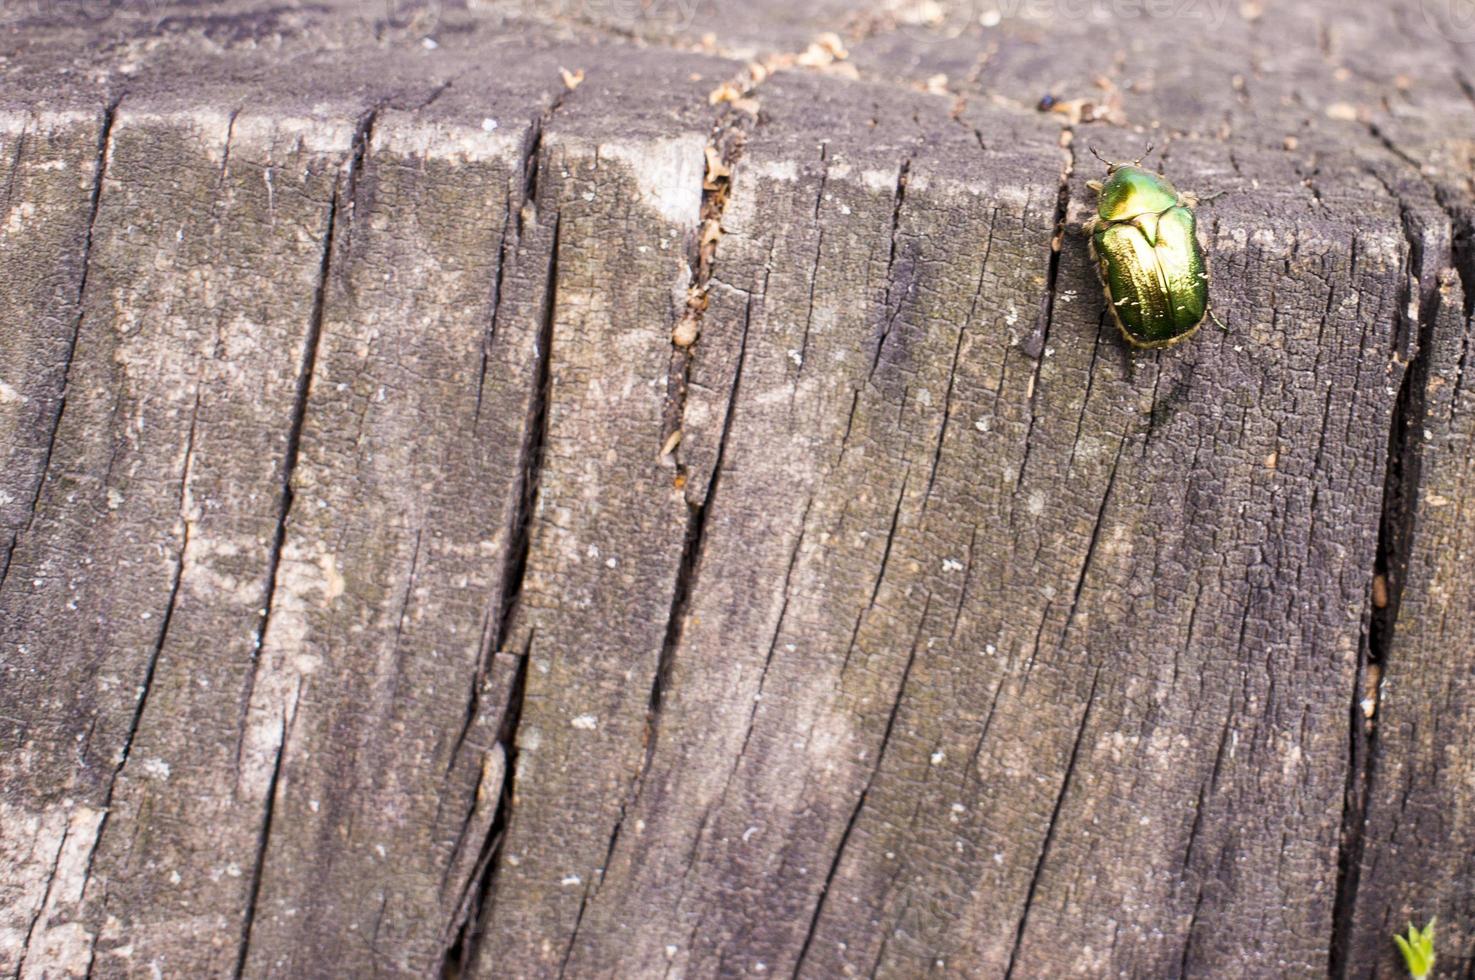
(1144, 243)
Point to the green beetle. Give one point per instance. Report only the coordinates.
(1146, 250)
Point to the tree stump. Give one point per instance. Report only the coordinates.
(615, 490)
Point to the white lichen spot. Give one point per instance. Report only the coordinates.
(671, 952)
(951, 565)
(796, 357)
(19, 215)
(937, 757)
(668, 173)
(333, 581)
(488, 124)
(748, 834)
(571, 880)
(983, 423)
(1012, 317)
(1036, 503)
(155, 768)
(585, 722)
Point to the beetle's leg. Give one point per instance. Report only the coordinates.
(1095, 185)
(1205, 200)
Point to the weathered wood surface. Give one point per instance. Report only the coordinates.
(361, 612)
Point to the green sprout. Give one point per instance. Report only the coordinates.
(1417, 950)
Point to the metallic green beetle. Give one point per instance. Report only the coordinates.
(1145, 246)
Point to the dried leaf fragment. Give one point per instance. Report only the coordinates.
(686, 331)
(718, 172)
(726, 92)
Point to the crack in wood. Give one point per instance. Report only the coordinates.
(1070, 768)
(340, 212)
(728, 137)
(463, 949)
(893, 310)
(263, 841)
(824, 893)
(1402, 480)
(1035, 345)
(99, 174)
(952, 375)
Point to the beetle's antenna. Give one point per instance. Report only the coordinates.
(1145, 154)
(1109, 164)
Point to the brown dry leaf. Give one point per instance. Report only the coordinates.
(711, 232)
(571, 79)
(831, 42)
(685, 333)
(1075, 110)
(1371, 679)
(726, 92)
(816, 56)
(748, 105)
(717, 171)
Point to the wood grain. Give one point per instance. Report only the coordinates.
(386, 591)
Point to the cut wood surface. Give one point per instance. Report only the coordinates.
(602, 489)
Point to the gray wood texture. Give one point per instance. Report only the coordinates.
(601, 489)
